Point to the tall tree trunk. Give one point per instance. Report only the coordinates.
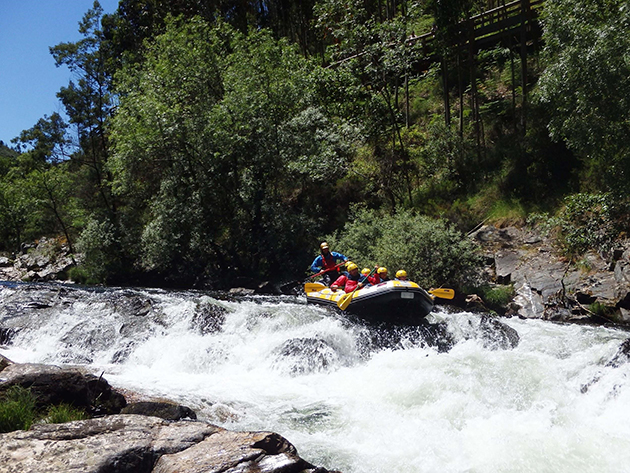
(447, 106)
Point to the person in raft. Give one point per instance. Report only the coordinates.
(382, 275)
(350, 282)
(328, 261)
(401, 275)
(372, 280)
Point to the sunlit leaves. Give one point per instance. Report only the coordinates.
(586, 85)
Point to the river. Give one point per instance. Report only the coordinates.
(349, 397)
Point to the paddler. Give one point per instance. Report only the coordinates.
(350, 282)
(328, 261)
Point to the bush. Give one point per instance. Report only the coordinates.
(497, 297)
(17, 409)
(432, 251)
(586, 222)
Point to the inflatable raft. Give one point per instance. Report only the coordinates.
(390, 301)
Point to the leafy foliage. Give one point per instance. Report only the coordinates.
(431, 251)
(586, 84)
(216, 133)
(587, 221)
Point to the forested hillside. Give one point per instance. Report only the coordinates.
(211, 140)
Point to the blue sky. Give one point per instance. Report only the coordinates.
(29, 79)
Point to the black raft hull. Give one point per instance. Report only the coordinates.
(400, 302)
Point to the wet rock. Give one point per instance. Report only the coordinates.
(496, 335)
(4, 362)
(255, 452)
(208, 318)
(622, 356)
(140, 444)
(305, 355)
(163, 410)
(55, 385)
(120, 443)
(6, 335)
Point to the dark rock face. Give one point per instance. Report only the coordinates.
(497, 335)
(549, 286)
(208, 318)
(306, 355)
(163, 410)
(55, 385)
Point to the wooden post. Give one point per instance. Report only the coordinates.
(525, 12)
(447, 105)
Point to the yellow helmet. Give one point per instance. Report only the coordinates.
(401, 273)
(351, 266)
(382, 270)
(365, 271)
(323, 246)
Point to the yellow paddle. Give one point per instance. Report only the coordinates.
(345, 300)
(313, 286)
(442, 293)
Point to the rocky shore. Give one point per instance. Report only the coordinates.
(121, 437)
(548, 286)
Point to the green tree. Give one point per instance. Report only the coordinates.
(586, 85)
(218, 144)
(89, 103)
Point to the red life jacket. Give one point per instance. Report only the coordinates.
(328, 261)
(351, 283)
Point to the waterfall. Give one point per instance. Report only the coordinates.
(349, 396)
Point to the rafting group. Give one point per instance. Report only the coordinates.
(370, 294)
(328, 265)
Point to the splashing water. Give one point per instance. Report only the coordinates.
(349, 397)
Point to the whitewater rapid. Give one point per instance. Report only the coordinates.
(347, 397)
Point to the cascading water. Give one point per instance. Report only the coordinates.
(349, 397)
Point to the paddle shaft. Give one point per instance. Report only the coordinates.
(326, 270)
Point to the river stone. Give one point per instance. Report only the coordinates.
(112, 444)
(242, 452)
(55, 385)
(163, 410)
(4, 362)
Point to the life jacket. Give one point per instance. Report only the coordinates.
(352, 282)
(328, 261)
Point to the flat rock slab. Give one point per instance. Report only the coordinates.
(127, 443)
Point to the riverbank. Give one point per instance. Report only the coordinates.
(549, 286)
(545, 284)
(153, 436)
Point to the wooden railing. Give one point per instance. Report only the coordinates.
(483, 29)
(488, 25)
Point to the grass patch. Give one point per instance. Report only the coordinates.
(64, 413)
(17, 409)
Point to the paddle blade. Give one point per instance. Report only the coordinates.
(442, 293)
(344, 301)
(313, 287)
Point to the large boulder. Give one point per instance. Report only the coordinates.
(55, 385)
(139, 444)
(550, 286)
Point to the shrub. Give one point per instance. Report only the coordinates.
(431, 250)
(498, 297)
(587, 221)
(17, 409)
